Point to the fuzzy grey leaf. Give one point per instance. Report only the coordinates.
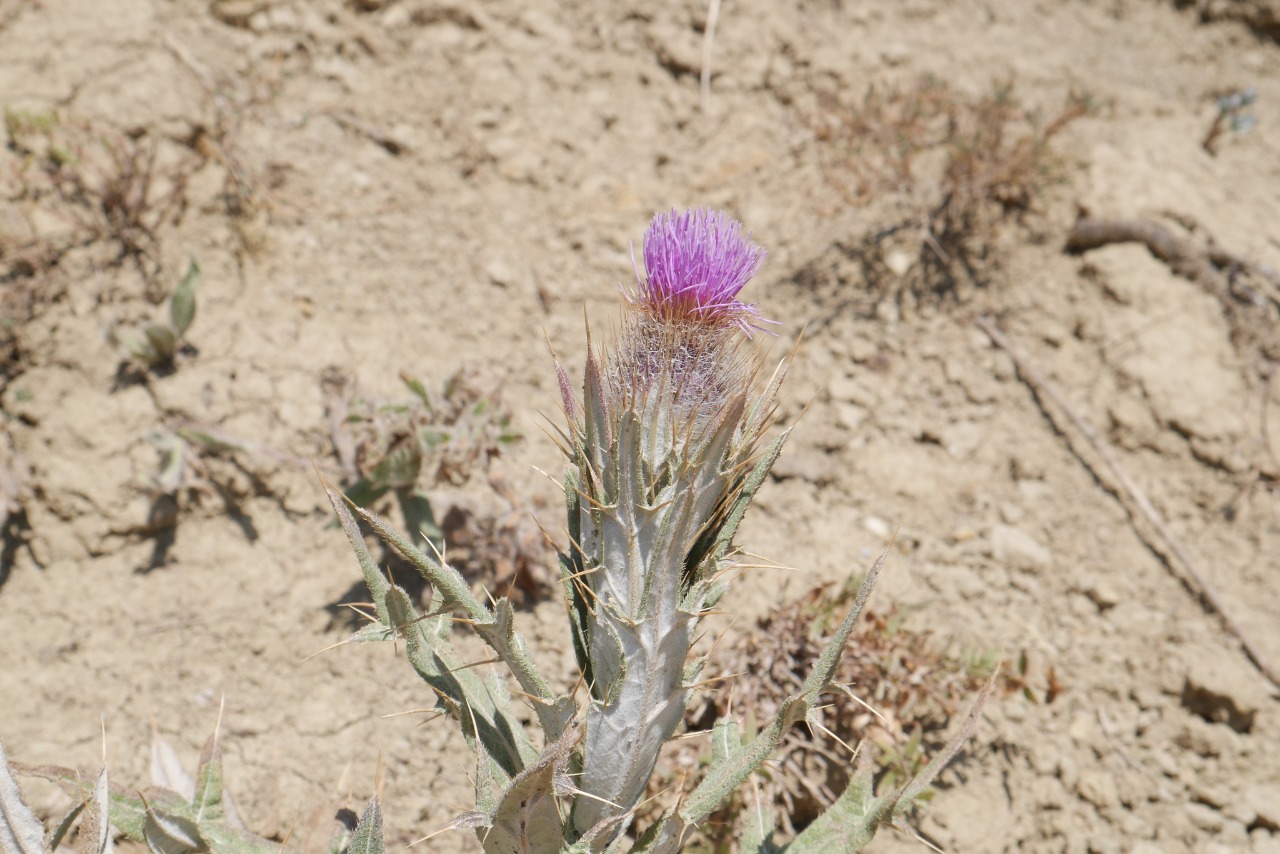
(829, 660)
(500, 743)
(373, 577)
(904, 800)
(495, 627)
(661, 837)
(849, 824)
(757, 829)
(750, 486)
(453, 588)
(63, 827)
(368, 835)
(527, 819)
(207, 799)
(20, 831)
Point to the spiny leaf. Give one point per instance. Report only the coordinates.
(94, 836)
(371, 633)
(661, 837)
(527, 818)
(452, 586)
(368, 835)
(208, 795)
(750, 486)
(182, 305)
(571, 567)
(850, 823)
(501, 745)
(20, 831)
(496, 628)
(373, 577)
(825, 668)
(903, 801)
(726, 741)
(723, 778)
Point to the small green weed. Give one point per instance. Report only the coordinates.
(155, 345)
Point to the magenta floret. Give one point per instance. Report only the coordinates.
(695, 263)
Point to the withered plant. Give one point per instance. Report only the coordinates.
(904, 688)
(953, 168)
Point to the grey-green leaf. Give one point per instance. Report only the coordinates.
(208, 795)
(182, 306)
(368, 835)
(373, 577)
(60, 831)
(527, 818)
(849, 824)
(20, 831)
(160, 345)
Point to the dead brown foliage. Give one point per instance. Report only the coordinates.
(956, 168)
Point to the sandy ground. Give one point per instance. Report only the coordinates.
(422, 185)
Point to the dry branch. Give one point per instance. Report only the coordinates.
(1195, 579)
(1208, 265)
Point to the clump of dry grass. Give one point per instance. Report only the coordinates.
(954, 167)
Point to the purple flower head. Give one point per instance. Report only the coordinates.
(695, 263)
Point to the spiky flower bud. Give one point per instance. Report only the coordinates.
(662, 446)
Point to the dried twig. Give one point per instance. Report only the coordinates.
(1200, 586)
(708, 42)
(373, 133)
(1209, 267)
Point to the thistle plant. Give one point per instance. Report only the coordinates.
(666, 449)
